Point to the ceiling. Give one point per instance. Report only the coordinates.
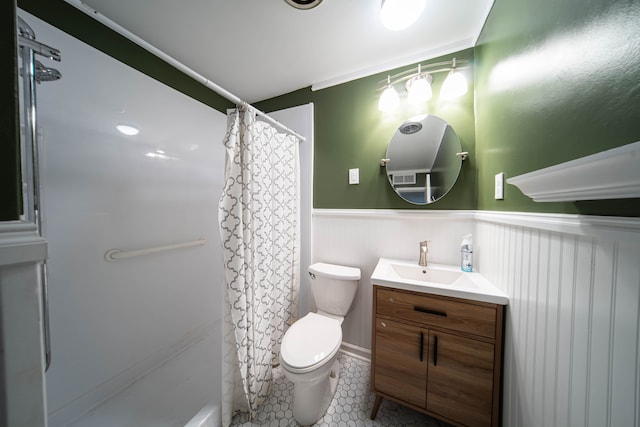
(258, 49)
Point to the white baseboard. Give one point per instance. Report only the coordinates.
(356, 351)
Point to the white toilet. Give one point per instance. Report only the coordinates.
(309, 350)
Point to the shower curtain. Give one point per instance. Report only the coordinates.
(258, 216)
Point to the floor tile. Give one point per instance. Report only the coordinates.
(351, 405)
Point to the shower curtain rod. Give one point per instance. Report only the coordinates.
(78, 4)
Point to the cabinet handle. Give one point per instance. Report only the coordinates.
(421, 346)
(435, 350)
(430, 311)
(384, 325)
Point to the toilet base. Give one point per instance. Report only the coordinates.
(334, 376)
(311, 400)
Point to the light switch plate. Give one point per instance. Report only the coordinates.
(354, 176)
(499, 186)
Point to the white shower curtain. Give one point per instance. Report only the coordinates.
(259, 226)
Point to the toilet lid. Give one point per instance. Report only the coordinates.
(310, 340)
(333, 271)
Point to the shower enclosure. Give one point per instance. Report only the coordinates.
(135, 340)
(115, 322)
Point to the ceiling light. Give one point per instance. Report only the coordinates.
(389, 99)
(397, 15)
(128, 130)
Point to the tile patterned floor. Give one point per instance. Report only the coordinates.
(351, 405)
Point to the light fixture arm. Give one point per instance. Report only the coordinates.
(438, 67)
(417, 83)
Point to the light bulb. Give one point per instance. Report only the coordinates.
(420, 91)
(454, 86)
(389, 100)
(397, 15)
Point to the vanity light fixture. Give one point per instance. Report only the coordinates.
(397, 15)
(389, 99)
(455, 85)
(419, 88)
(417, 82)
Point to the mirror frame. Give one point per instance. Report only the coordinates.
(423, 159)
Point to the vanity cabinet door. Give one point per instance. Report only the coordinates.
(398, 370)
(460, 385)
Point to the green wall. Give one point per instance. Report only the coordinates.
(350, 132)
(78, 24)
(555, 81)
(10, 194)
(81, 26)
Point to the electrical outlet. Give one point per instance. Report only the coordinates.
(354, 176)
(499, 189)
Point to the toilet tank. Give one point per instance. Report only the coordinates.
(333, 287)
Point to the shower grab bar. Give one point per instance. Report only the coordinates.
(116, 254)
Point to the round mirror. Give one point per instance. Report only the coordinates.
(422, 162)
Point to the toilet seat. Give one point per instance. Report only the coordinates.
(310, 342)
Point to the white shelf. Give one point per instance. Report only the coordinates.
(611, 174)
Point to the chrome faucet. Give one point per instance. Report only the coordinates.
(423, 253)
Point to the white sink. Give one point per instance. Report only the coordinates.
(437, 279)
(426, 274)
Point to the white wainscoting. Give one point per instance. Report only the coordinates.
(572, 347)
(357, 238)
(573, 324)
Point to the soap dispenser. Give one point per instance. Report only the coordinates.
(466, 253)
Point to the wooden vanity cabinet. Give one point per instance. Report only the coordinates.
(438, 355)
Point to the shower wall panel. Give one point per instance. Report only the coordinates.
(113, 322)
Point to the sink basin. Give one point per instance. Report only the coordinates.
(426, 274)
(439, 279)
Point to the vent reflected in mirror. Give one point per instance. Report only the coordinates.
(423, 162)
